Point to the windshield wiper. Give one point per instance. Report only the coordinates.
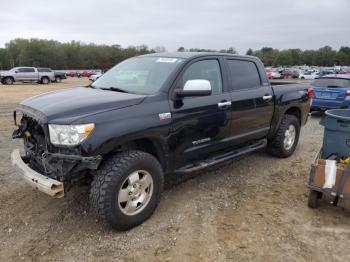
(117, 89)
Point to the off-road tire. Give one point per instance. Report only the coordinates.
(108, 181)
(275, 145)
(314, 198)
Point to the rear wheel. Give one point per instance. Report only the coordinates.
(58, 79)
(126, 189)
(285, 140)
(45, 80)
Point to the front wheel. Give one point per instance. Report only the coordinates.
(8, 81)
(286, 139)
(126, 189)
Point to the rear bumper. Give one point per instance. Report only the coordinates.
(44, 184)
(324, 104)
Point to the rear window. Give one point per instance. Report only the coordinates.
(331, 82)
(244, 74)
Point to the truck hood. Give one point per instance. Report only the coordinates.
(68, 105)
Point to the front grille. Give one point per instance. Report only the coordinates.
(34, 143)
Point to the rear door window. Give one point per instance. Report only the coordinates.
(243, 74)
(30, 70)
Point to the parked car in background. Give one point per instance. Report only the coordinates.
(275, 74)
(326, 72)
(330, 92)
(86, 74)
(27, 74)
(58, 75)
(272, 73)
(290, 73)
(95, 76)
(308, 75)
(268, 73)
(71, 74)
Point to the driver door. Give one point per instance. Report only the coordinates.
(200, 124)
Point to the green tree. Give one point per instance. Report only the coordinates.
(249, 52)
(181, 49)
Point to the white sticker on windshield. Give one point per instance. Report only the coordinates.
(166, 60)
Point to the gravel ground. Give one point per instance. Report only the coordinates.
(254, 208)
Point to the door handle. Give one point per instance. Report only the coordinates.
(267, 97)
(224, 104)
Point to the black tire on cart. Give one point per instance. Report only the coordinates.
(127, 189)
(314, 198)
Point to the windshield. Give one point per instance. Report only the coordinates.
(331, 82)
(140, 75)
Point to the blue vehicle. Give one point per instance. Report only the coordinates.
(330, 92)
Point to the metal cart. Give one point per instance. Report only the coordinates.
(336, 143)
(341, 189)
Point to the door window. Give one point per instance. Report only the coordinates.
(244, 74)
(26, 70)
(205, 70)
(30, 70)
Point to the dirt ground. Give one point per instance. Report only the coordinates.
(252, 209)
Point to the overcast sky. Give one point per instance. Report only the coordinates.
(305, 24)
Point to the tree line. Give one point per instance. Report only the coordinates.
(72, 55)
(325, 56)
(77, 55)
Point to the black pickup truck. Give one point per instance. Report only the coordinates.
(150, 116)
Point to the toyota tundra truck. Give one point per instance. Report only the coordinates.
(180, 113)
(27, 74)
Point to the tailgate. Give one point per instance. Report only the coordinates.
(330, 93)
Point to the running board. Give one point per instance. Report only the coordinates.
(252, 147)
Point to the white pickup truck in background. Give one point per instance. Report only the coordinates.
(27, 74)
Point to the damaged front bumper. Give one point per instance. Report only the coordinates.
(49, 185)
(44, 184)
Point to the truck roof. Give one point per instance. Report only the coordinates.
(187, 55)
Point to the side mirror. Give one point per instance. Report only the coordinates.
(197, 87)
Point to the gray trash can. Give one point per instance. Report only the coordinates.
(336, 138)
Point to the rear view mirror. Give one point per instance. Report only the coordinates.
(197, 87)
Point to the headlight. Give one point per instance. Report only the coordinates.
(69, 135)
